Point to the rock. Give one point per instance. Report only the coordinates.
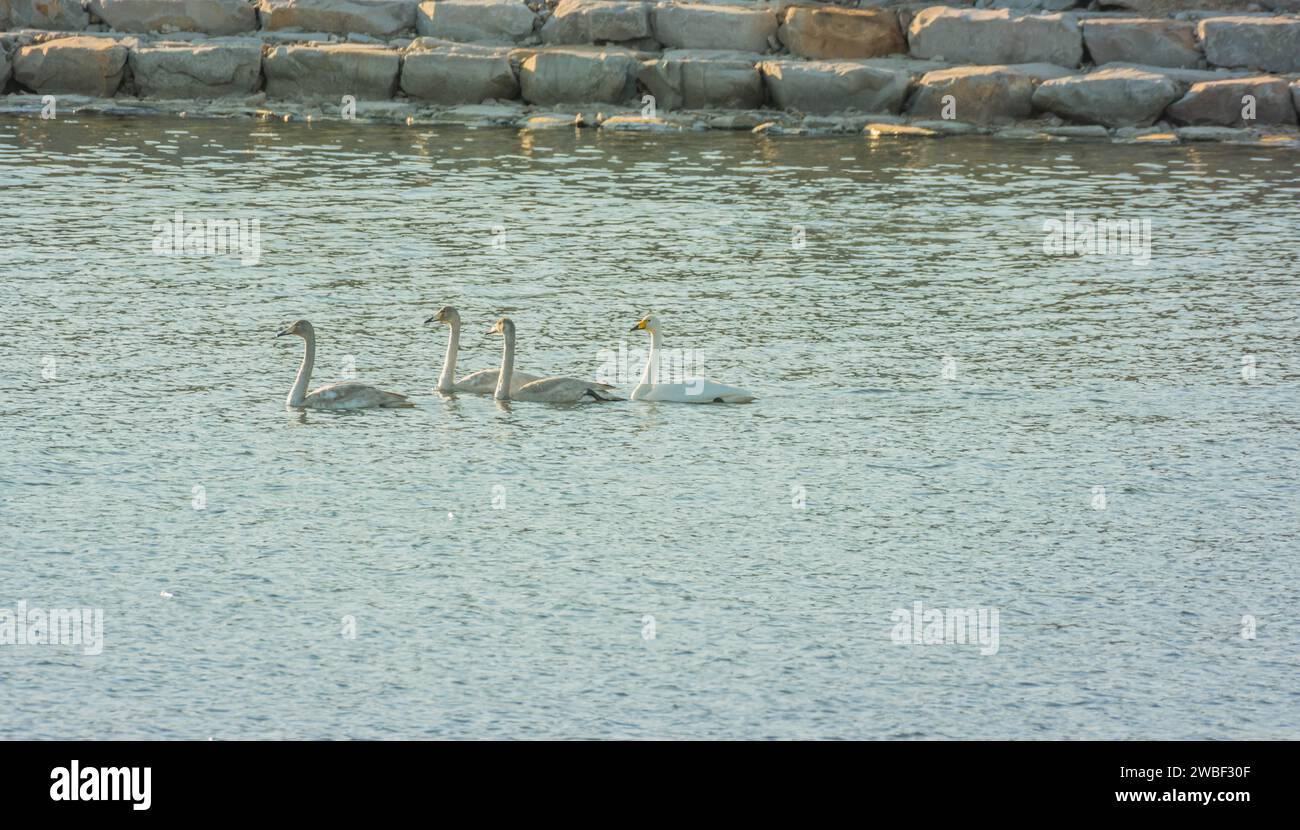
(1220, 103)
(1268, 43)
(4, 68)
(704, 26)
(1183, 77)
(213, 17)
(823, 87)
(476, 21)
(1159, 137)
(501, 114)
(950, 127)
(550, 121)
(330, 71)
(982, 94)
(578, 75)
(877, 130)
(597, 21)
(1214, 134)
(209, 69)
(995, 37)
(638, 124)
(78, 65)
(459, 74)
(1113, 97)
(1158, 42)
(381, 18)
(736, 121)
(696, 78)
(1295, 95)
(832, 32)
(1088, 131)
(58, 15)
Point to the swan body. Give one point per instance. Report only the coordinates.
(693, 390)
(546, 390)
(348, 394)
(482, 382)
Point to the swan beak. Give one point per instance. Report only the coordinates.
(638, 326)
(282, 333)
(432, 319)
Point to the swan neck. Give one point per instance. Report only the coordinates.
(447, 380)
(650, 374)
(299, 390)
(507, 368)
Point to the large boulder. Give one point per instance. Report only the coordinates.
(327, 72)
(381, 18)
(1220, 103)
(832, 32)
(213, 17)
(206, 69)
(476, 21)
(597, 21)
(79, 65)
(1268, 43)
(981, 94)
(705, 26)
(4, 67)
(696, 78)
(58, 15)
(989, 36)
(1113, 97)
(578, 75)
(823, 87)
(458, 73)
(1156, 42)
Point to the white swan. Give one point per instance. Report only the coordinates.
(693, 390)
(345, 395)
(483, 382)
(547, 390)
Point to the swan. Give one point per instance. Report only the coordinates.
(345, 395)
(547, 390)
(694, 390)
(483, 382)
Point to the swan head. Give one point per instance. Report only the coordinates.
(647, 323)
(505, 326)
(298, 328)
(447, 314)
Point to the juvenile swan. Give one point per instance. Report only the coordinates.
(483, 382)
(548, 390)
(346, 395)
(694, 390)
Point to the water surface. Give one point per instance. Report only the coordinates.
(940, 396)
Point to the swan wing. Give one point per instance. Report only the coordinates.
(694, 390)
(350, 394)
(484, 382)
(560, 390)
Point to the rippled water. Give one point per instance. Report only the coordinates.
(500, 562)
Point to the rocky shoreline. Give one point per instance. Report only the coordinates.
(1158, 71)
